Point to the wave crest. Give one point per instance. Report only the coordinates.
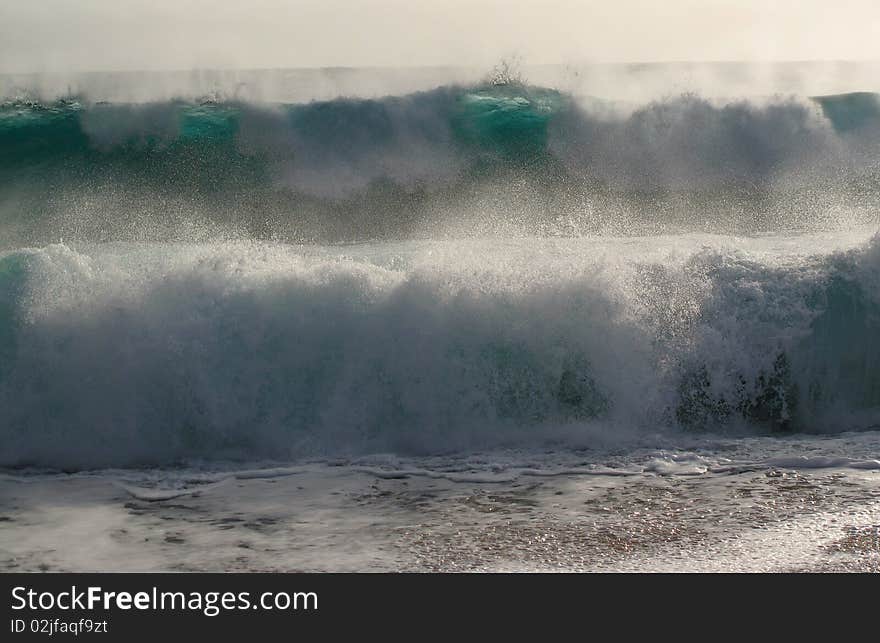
(454, 160)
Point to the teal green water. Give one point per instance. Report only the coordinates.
(402, 166)
(511, 120)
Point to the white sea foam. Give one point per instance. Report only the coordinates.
(124, 354)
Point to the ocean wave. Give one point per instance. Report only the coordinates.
(454, 160)
(121, 354)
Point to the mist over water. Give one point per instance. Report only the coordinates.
(626, 84)
(349, 156)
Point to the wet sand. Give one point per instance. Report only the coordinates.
(348, 518)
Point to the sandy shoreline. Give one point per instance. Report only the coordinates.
(325, 518)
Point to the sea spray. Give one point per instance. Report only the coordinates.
(120, 354)
(501, 160)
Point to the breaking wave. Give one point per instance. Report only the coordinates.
(125, 354)
(458, 160)
(469, 267)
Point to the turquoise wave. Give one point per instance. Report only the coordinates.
(508, 121)
(403, 166)
(851, 112)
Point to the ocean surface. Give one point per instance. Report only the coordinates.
(594, 318)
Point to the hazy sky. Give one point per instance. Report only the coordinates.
(61, 35)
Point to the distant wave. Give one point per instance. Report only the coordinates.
(452, 160)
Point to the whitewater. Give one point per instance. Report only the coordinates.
(483, 325)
